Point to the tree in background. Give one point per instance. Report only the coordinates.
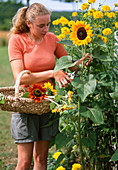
(7, 11)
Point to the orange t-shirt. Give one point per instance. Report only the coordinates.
(36, 57)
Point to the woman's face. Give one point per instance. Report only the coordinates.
(39, 27)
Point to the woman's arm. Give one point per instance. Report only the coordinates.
(87, 55)
(28, 79)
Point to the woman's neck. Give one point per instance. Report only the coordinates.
(34, 39)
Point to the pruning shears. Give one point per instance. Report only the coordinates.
(72, 75)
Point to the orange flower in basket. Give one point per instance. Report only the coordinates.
(37, 93)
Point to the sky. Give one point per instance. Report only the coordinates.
(61, 6)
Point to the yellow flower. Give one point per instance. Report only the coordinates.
(85, 15)
(65, 30)
(65, 107)
(63, 21)
(97, 14)
(106, 8)
(91, 11)
(91, 1)
(60, 168)
(116, 12)
(103, 38)
(84, 6)
(111, 14)
(54, 110)
(107, 31)
(76, 1)
(62, 108)
(56, 155)
(55, 22)
(48, 85)
(70, 96)
(116, 24)
(68, 108)
(76, 166)
(70, 23)
(81, 33)
(61, 36)
(116, 5)
(74, 14)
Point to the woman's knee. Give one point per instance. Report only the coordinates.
(40, 159)
(24, 164)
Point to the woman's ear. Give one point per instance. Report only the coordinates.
(28, 23)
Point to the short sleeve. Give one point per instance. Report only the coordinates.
(15, 49)
(60, 50)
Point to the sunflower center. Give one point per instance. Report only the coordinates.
(37, 93)
(81, 33)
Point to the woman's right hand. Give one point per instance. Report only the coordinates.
(61, 78)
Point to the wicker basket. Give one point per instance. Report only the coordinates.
(15, 103)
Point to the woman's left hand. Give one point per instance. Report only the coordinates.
(87, 55)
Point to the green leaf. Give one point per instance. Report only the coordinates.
(114, 95)
(84, 88)
(66, 42)
(26, 95)
(57, 98)
(64, 62)
(105, 83)
(52, 105)
(62, 139)
(101, 55)
(60, 158)
(2, 100)
(95, 114)
(114, 156)
(99, 42)
(90, 140)
(76, 81)
(60, 91)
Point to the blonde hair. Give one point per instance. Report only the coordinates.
(23, 14)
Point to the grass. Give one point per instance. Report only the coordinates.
(6, 77)
(8, 153)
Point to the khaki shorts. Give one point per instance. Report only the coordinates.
(29, 127)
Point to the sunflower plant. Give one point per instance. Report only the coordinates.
(88, 131)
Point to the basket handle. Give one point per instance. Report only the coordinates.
(18, 81)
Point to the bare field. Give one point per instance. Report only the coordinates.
(4, 38)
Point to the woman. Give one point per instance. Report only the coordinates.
(32, 47)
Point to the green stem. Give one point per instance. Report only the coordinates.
(79, 136)
(83, 53)
(83, 50)
(115, 129)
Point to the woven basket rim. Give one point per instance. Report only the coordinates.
(15, 101)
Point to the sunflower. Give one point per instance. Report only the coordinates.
(60, 168)
(103, 38)
(76, 166)
(56, 155)
(61, 109)
(37, 93)
(107, 31)
(50, 87)
(81, 33)
(70, 96)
